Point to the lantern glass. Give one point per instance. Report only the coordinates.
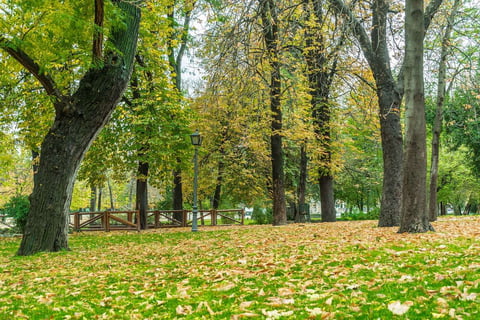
(196, 138)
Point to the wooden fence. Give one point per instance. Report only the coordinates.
(130, 220)
(105, 220)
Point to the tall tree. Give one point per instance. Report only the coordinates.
(414, 216)
(437, 122)
(270, 24)
(389, 93)
(78, 119)
(322, 59)
(177, 44)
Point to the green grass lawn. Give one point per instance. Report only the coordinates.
(343, 270)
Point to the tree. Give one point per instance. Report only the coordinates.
(78, 119)
(176, 54)
(414, 216)
(437, 122)
(389, 93)
(322, 56)
(270, 23)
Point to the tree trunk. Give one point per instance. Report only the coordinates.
(79, 118)
(177, 195)
(142, 193)
(443, 209)
(302, 185)
(100, 193)
(130, 193)
(110, 193)
(35, 161)
(218, 186)
(437, 122)
(326, 199)
(414, 216)
(392, 147)
(93, 198)
(270, 34)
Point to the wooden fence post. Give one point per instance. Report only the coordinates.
(214, 217)
(76, 221)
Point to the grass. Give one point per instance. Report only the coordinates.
(343, 270)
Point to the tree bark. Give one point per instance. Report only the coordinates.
(302, 185)
(100, 193)
(177, 194)
(93, 198)
(437, 122)
(218, 186)
(270, 35)
(414, 216)
(392, 146)
(110, 193)
(327, 199)
(79, 118)
(142, 193)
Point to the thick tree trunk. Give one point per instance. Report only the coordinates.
(270, 34)
(414, 216)
(78, 120)
(392, 146)
(327, 199)
(142, 193)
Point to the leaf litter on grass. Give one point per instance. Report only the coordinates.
(324, 271)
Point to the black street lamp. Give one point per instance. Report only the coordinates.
(196, 141)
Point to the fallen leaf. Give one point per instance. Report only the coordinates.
(399, 308)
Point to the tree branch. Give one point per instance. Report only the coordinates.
(28, 63)
(357, 28)
(97, 48)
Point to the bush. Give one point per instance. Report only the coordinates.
(262, 215)
(358, 215)
(17, 208)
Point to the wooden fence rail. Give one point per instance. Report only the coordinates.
(130, 220)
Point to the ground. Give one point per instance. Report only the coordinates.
(342, 270)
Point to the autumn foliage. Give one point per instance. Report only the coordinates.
(320, 271)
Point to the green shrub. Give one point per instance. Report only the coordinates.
(358, 215)
(17, 208)
(262, 215)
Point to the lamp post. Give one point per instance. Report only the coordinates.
(196, 141)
